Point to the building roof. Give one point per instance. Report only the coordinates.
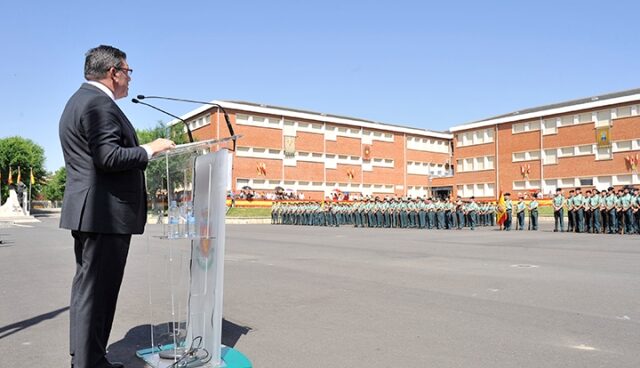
(553, 109)
(311, 115)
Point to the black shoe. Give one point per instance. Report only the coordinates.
(115, 365)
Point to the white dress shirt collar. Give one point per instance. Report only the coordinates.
(103, 88)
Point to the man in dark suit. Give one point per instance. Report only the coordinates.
(104, 199)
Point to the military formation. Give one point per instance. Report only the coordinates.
(608, 211)
(388, 213)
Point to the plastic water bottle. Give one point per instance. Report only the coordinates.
(191, 221)
(182, 220)
(174, 213)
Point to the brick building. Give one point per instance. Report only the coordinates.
(582, 143)
(317, 153)
(590, 142)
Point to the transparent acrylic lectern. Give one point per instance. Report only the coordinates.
(186, 191)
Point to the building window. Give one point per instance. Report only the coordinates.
(585, 150)
(517, 128)
(490, 161)
(586, 181)
(622, 146)
(567, 151)
(586, 117)
(519, 185)
(622, 180)
(549, 126)
(519, 156)
(603, 153)
(623, 112)
(567, 120)
(525, 156)
(528, 126)
(603, 118)
(550, 157)
(567, 183)
(481, 136)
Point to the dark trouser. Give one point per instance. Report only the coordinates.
(533, 220)
(448, 220)
(613, 221)
(431, 219)
(595, 221)
(379, 219)
(460, 216)
(100, 261)
(579, 220)
(588, 220)
(413, 219)
(472, 219)
(628, 221)
(440, 220)
(422, 217)
(571, 216)
(521, 220)
(620, 224)
(558, 216)
(404, 219)
(507, 221)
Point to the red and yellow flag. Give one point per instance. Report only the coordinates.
(32, 179)
(19, 177)
(501, 214)
(10, 180)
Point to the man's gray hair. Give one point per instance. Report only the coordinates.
(100, 59)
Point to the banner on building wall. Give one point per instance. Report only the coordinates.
(603, 137)
(289, 146)
(351, 173)
(261, 169)
(366, 152)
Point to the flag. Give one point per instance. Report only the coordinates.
(10, 180)
(32, 179)
(19, 177)
(501, 215)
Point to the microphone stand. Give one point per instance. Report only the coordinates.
(136, 101)
(226, 116)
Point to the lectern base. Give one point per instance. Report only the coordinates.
(231, 358)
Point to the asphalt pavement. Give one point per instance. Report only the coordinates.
(347, 297)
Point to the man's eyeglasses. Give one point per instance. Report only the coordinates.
(126, 70)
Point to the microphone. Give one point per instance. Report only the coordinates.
(136, 101)
(226, 116)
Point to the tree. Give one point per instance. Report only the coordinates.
(156, 171)
(175, 133)
(24, 153)
(54, 189)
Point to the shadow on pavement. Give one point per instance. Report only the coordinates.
(9, 330)
(139, 337)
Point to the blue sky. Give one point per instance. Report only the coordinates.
(414, 63)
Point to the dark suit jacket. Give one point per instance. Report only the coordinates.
(105, 189)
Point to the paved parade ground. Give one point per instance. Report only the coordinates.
(346, 297)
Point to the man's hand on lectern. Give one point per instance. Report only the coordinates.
(159, 145)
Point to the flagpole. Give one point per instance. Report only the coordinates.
(29, 200)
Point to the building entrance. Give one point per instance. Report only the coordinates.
(441, 192)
